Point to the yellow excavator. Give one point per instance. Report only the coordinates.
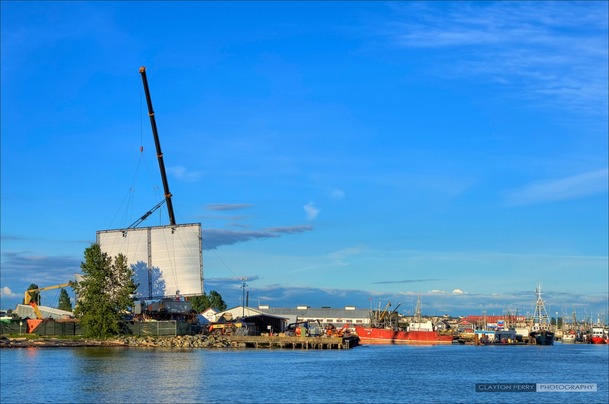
(28, 297)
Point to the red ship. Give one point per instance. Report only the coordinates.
(384, 330)
(599, 336)
(371, 335)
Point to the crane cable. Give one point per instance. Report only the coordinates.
(127, 204)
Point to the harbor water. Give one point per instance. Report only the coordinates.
(366, 374)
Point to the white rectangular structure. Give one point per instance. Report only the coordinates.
(166, 260)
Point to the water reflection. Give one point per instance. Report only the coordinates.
(140, 375)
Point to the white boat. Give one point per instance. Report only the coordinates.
(568, 337)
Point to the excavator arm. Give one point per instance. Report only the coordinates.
(28, 297)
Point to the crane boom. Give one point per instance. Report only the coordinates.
(28, 297)
(145, 216)
(157, 143)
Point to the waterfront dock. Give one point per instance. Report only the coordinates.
(190, 341)
(283, 342)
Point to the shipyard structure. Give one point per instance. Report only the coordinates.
(166, 260)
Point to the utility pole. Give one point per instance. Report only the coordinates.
(243, 285)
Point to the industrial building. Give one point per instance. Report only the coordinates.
(325, 315)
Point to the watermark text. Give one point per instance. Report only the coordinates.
(536, 387)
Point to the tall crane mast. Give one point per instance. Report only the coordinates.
(159, 153)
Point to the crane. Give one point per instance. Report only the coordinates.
(159, 154)
(145, 215)
(28, 296)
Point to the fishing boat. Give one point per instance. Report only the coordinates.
(569, 337)
(598, 336)
(384, 330)
(372, 335)
(541, 329)
(543, 337)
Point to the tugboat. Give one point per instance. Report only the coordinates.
(540, 329)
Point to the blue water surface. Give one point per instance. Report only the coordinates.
(366, 374)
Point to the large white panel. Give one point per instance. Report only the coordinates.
(165, 259)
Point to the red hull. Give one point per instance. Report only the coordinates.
(597, 340)
(387, 336)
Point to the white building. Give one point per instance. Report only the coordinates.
(325, 315)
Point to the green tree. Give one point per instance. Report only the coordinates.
(64, 301)
(35, 295)
(200, 303)
(216, 301)
(104, 293)
(204, 302)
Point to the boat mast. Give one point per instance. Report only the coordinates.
(417, 315)
(418, 310)
(540, 315)
(159, 153)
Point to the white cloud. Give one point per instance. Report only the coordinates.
(311, 211)
(577, 186)
(7, 292)
(458, 292)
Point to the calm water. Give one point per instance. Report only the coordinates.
(367, 374)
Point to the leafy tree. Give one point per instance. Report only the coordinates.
(200, 303)
(204, 302)
(104, 293)
(64, 301)
(216, 301)
(35, 295)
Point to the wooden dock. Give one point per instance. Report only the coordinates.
(282, 342)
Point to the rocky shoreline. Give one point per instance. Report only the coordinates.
(181, 341)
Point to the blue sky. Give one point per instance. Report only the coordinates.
(333, 152)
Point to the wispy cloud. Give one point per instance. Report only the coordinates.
(21, 268)
(311, 210)
(577, 186)
(341, 257)
(5, 237)
(337, 194)
(406, 281)
(24, 264)
(290, 229)
(183, 174)
(214, 238)
(531, 46)
(228, 206)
